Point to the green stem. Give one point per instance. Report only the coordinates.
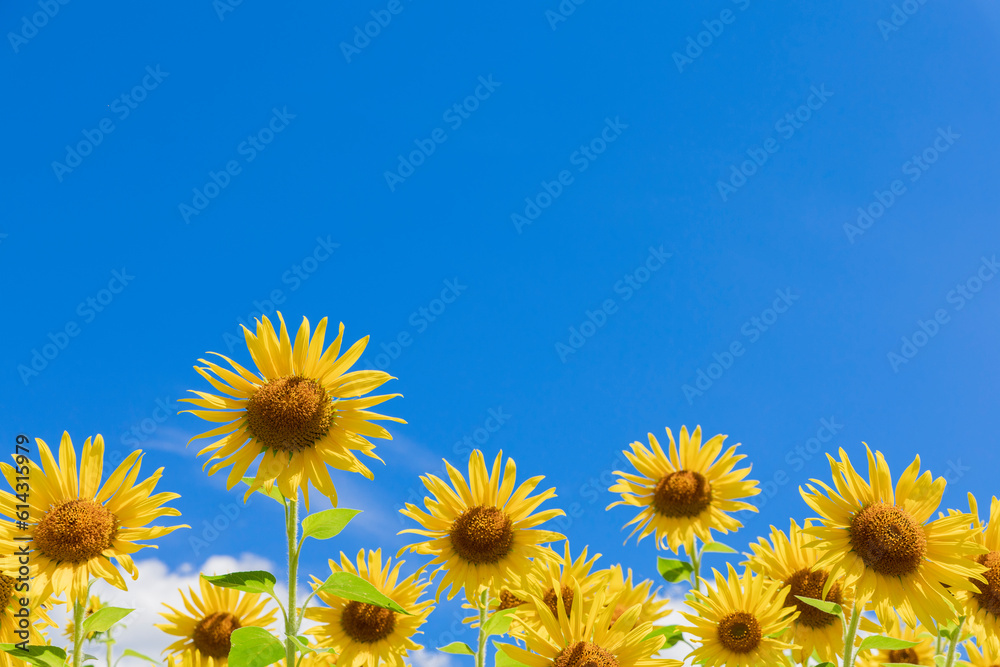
(696, 566)
(292, 615)
(484, 608)
(954, 642)
(110, 643)
(937, 645)
(852, 630)
(78, 613)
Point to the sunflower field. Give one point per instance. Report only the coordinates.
(881, 573)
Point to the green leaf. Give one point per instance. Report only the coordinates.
(884, 643)
(352, 587)
(826, 664)
(136, 654)
(674, 570)
(718, 548)
(504, 660)
(670, 632)
(40, 656)
(498, 623)
(252, 581)
(254, 647)
(102, 619)
(324, 525)
(823, 605)
(458, 648)
(273, 494)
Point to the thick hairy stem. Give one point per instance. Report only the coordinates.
(78, 614)
(484, 600)
(954, 642)
(852, 630)
(292, 614)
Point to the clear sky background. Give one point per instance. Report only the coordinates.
(675, 175)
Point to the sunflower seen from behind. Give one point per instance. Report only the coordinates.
(739, 621)
(588, 637)
(484, 531)
(364, 634)
(210, 615)
(79, 529)
(881, 541)
(302, 411)
(787, 558)
(685, 493)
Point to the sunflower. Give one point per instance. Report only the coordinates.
(93, 604)
(555, 581)
(921, 654)
(981, 658)
(481, 531)
(302, 411)
(587, 637)
(76, 526)
(739, 621)
(787, 559)
(981, 605)
(652, 607)
(686, 493)
(361, 633)
(881, 542)
(191, 658)
(208, 620)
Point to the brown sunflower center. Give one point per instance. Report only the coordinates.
(809, 584)
(585, 654)
(76, 531)
(551, 600)
(682, 494)
(290, 413)
(988, 595)
(6, 591)
(888, 540)
(211, 635)
(508, 600)
(904, 656)
(739, 632)
(366, 623)
(482, 534)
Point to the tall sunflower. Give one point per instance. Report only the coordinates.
(738, 622)
(587, 637)
(207, 622)
(981, 604)
(302, 410)
(361, 633)
(788, 559)
(685, 493)
(881, 542)
(76, 526)
(481, 531)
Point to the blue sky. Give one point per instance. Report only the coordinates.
(640, 217)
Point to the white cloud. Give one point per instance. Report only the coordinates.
(429, 658)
